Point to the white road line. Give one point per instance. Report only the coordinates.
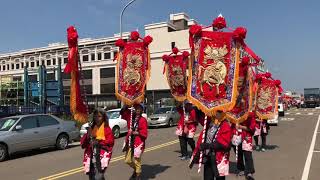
(316, 151)
(309, 157)
(287, 119)
(298, 113)
(310, 113)
(287, 113)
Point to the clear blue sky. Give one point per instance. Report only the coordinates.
(283, 32)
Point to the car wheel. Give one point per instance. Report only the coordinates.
(116, 131)
(3, 152)
(170, 123)
(62, 142)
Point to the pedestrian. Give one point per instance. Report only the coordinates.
(216, 147)
(262, 130)
(137, 134)
(186, 128)
(245, 130)
(98, 143)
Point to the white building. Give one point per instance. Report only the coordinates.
(97, 56)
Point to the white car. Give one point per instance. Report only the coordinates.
(280, 109)
(116, 123)
(274, 121)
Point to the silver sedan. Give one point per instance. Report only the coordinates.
(27, 132)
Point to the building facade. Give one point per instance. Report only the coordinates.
(98, 65)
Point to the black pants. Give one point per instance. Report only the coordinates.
(183, 145)
(263, 139)
(208, 172)
(245, 161)
(95, 174)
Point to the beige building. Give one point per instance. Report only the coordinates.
(96, 56)
(166, 35)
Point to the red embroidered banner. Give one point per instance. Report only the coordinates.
(244, 103)
(77, 106)
(266, 99)
(133, 69)
(214, 70)
(176, 73)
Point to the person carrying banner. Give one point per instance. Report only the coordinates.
(138, 134)
(98, 143)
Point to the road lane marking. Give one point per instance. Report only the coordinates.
(287, 113)
(316, 151)
(287, 119)
(80, 169)
(306, 169)
(310, 113)
(298, 113)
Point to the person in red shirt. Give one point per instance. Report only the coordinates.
(98, 143)
(187, 126)
(245, 130)
(137, 134)
(262, 130)
(216, 147)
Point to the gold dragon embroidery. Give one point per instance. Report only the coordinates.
(177, 78)
(214, 74)
(131, 74)
(264, 97)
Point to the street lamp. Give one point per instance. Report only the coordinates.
(121, 14)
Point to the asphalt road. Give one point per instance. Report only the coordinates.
(293, 153)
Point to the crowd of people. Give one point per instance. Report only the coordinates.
(219, 138)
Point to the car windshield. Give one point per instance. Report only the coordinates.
(7, 123)
(163, 110)
(113, 114)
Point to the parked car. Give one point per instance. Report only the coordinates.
(116, 123)
(274, 121)
(164, 116)
(27, 132)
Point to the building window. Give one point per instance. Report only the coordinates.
(85, 58)
(3, 68)
(32, 64)
(17, 66)
(32, 78)
(8, 67)
(59, 60)
(22, 65)
(54, 61)
(93, 57)
(66, 75)
(107, 88)
(173, 45)
(38, 63)
(48, 62)
(51, 77)
(27, 64)
(12, 66)
(107, 72)
(16, 78)
(88, 88)
(42, 63)
(65, 60)
(107, 55)
(99, 56)
(87, 74)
